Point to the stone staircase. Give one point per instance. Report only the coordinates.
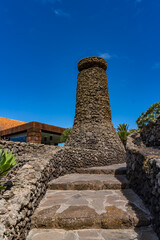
(92, 204)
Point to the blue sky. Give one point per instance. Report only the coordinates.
(41, 42)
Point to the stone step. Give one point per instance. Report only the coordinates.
(93, 234)
(89, 182)
(90, 234)
(115, 169)
(108, 209)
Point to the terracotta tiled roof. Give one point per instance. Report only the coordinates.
(6, 123)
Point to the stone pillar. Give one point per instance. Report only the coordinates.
(34, 135)
(93, 128)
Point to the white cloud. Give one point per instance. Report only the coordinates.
(60, 13)
(156, 65)
(57, 12)
(107, 56)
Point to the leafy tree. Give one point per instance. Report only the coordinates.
(7, 162)
(65, 135)
(123, 132)
(149, 116)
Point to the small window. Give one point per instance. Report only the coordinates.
(51, 138)
(45, 139)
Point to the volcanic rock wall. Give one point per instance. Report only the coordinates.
(151, 134)
(143, 172)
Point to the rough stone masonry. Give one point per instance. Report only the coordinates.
(93, 128)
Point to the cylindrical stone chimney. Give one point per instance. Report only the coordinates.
(93, 128)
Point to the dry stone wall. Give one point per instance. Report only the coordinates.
(143, 172)
(29, 182)
(24, 151)
(20, 148)
(88, 157)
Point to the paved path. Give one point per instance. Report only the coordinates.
(94, 204)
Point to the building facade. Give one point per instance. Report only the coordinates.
(33, 132)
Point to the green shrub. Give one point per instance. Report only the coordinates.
(149, 116)
(65, 135)
(7, 162)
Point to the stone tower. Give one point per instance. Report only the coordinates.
(93, 129)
